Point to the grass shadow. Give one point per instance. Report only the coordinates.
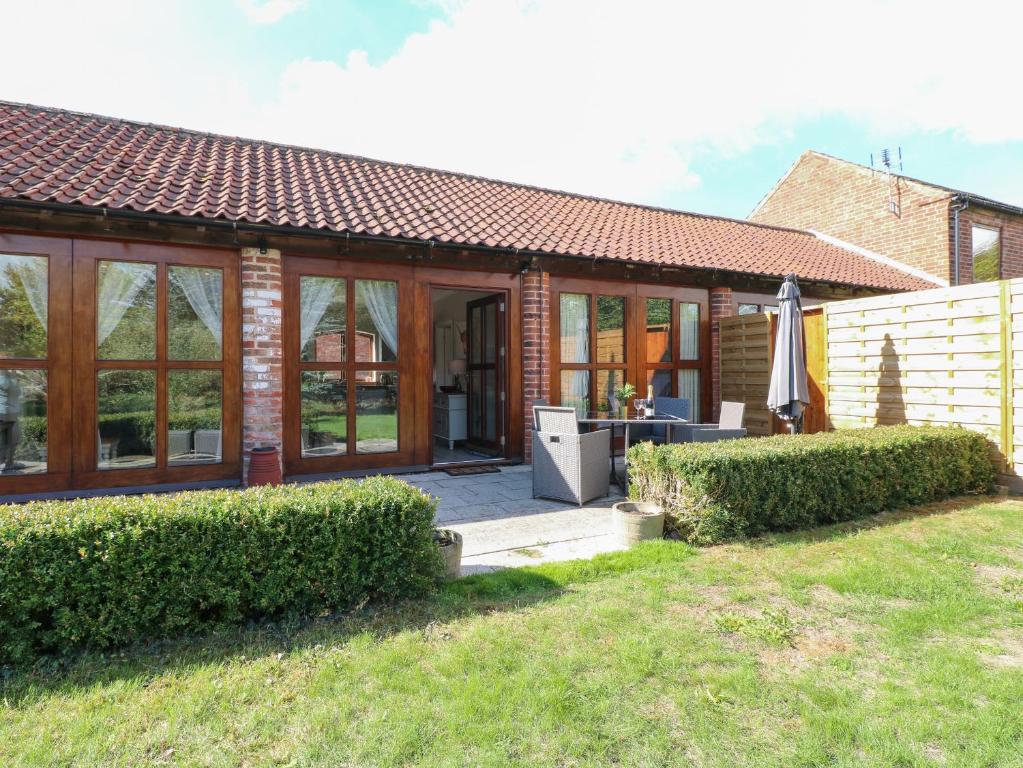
(479, 594)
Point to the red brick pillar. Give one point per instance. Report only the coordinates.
(720, 306)
(536, 307)
(262, 352)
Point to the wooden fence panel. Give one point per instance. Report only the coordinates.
(745, 346)
(942, 356)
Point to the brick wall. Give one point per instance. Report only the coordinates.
(1010, 228)
(536, 303)
(721, 305)
(262, 353)
(850, 202)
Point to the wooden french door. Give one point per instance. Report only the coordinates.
(606, 333)
(157, 364)
(485, 373)
(348, 365)
(119, 364)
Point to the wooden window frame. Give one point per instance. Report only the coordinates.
(635, 364)
(57, 363)
(86, 365)
(592, 289)
(296, 267)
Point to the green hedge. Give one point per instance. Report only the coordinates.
(737, 488)
(109, 571)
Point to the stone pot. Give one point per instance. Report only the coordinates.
(450, 543)
(634, 521)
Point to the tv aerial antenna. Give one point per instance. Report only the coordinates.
(886, 162)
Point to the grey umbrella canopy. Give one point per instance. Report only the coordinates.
(789, 392)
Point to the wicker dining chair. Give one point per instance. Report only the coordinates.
(568, 465)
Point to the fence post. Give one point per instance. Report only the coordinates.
(1005, 316)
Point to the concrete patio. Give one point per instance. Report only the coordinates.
(503, 525)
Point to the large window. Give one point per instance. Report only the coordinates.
(593, 349)
(673, 361)
(348, 366)
(24, 328)
(119, 364)
(987, 254)
(644, 335)
(156, 366)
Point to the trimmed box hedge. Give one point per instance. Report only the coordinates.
(109, 571)
(731, 489)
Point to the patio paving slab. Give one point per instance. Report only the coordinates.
(503, 526)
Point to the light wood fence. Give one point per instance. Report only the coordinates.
(942, 356)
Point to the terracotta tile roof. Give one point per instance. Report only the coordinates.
(57, 156)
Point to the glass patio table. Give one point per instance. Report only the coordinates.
(597, 420)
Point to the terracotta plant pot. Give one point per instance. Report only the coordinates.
(264, 466)
(637, 521)
(450, 543)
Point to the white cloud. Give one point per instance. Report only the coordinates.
(268, 11)
(595, 96)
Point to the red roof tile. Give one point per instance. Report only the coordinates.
(56, 156)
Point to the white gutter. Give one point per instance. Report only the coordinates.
(880, 259)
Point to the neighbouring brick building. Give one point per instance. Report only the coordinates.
(926, 226)
(170, 299)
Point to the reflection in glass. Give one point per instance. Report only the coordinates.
(575, 328)
(126, 311)
(24, 298)
(689, 388)
(323, 317)
(195, 313)
(490, 333)
(376, 413)
(22, 422)
(490, 405)
(575, 390)
(476, 337)
(376, 321)
(748, 309)
(475, 403)
(658, 330)
(661, 382)
(607, 383)
(194, 417)
(987, 254)
(324, 413)
(689, 331)
(610, 329)
(126, 415)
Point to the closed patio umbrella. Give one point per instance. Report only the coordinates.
(789, 392)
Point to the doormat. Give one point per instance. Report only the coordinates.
(482, 469)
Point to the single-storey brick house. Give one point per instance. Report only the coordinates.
(956, 236)
(170, 299)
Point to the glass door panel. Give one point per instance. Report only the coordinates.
(23, 422)
(485, 369)
(344, 354)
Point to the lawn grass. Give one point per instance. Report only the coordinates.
(897, 640)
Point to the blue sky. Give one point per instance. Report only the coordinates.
(687, 106)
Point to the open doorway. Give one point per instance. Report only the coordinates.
(469, 376)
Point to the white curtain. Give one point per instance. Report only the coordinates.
(317, 295)
(381, 299)
(31, 271)
(119, 283)
(689, 332)
(203, 288)
(575, 342)
(689, 388)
